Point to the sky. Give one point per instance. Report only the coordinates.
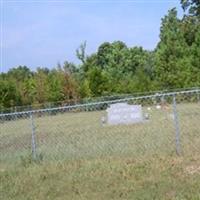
(41, 33)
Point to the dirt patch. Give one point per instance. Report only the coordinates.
(193, 169)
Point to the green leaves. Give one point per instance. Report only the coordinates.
(193, 7)
(174, 56)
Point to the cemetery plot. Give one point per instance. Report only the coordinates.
(81, 135)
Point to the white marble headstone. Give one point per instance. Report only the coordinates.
(122, 113)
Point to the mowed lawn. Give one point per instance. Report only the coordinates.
(79, 158)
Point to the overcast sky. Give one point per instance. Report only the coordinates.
(43, 33)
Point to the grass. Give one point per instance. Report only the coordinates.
(168, 178)
(81, 159)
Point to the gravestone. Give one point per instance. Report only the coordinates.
(122, 113)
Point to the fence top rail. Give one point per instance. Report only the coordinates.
(102, 102)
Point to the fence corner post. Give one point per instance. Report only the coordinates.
(176, 125)
(33, 142)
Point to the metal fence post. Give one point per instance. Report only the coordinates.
(33, 143)
(177, 128)
(198, 97)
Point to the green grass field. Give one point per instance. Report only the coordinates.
(81, 159)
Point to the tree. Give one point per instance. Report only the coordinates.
(191, 30)
(80, 52)
(69, 67)
(55, 86)
(85, 90)
(8, 94)
(171, 65)
(195, 52)
(110, 55)
(192, 6)
(28, 93)
(98, 81)
(41, 85)
(19, 74)
(69, 87)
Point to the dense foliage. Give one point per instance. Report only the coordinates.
(115, 68)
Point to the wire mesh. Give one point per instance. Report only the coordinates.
(170, 125)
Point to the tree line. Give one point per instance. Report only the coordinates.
(115, 68)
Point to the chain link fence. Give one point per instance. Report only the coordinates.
(171, 125)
